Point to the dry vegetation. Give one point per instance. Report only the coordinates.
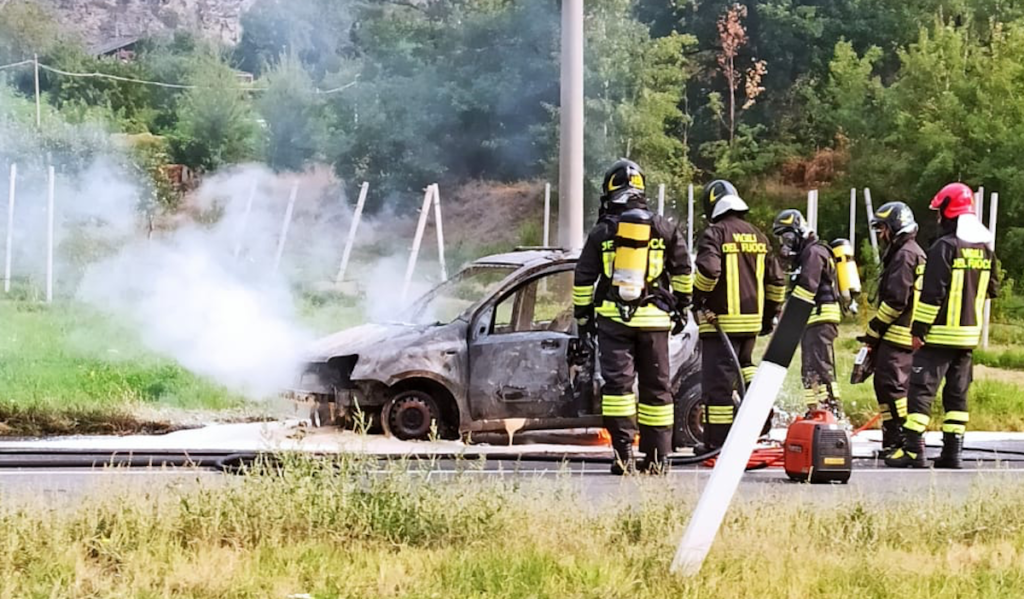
(335, 531)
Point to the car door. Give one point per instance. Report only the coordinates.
(518, 351)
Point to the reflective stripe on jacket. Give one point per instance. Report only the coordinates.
(668, 270)
(736, 277)
(958, 278)
(899, 288)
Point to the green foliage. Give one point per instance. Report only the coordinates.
(26, 28)
(216, 124)
(128, 104)
(292, 112)
(635, 86)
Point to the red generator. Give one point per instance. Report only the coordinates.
(818, 449)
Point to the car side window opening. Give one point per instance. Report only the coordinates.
(541, 304)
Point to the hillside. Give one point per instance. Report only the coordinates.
(98, 21)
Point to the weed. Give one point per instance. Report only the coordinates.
(342, 528)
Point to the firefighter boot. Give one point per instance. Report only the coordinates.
(892, 436)
(911, 455)
(655, 465)
(624, 462)
(952, 450)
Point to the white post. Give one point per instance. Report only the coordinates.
(714, 501)
(979, 203)
(245, 219)
(356, 216)
(438, 225)
(285, 224)
(689, 223)
(417, 240)
(547, 215)
(39, 110)
(661, 200)
(49, 235)
(870, 212)
(992, 213)
(10, 227)
(853, 218)
(571, 114)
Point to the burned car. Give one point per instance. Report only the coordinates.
(493, 348)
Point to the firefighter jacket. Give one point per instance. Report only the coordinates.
(898, 289)
(815, 281)
(737, 279)
(669, 279)
(957, 279)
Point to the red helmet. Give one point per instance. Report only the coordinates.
(953, 200)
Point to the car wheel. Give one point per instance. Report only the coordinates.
(411, 415)
(689, 413)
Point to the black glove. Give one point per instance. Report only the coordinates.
(585, 323)
(869, 340)
(679, 320)
(767, 324)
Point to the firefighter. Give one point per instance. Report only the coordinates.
(634, 273)
(888, 333)
(813, 274)
(738, 287)
(946, 327)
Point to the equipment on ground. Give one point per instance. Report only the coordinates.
(818, 449)
(847, 276)
(632, 240)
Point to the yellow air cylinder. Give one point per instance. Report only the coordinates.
(632, 238)
(847, 275)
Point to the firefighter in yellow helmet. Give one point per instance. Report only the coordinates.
(633, 284)
(738, 288)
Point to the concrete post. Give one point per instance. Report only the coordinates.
(570, 176)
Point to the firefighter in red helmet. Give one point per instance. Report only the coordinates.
(946, 327)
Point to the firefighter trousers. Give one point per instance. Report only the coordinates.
(817, 369)
(931, 365)
(892, 375)
(627, 354)
(718, 379)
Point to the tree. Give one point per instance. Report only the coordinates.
(293, 113)
(216, 125)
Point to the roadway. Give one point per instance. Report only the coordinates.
(58, 486)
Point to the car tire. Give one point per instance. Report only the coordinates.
(411, 415)
(689, 413)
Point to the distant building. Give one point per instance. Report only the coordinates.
(121, 48)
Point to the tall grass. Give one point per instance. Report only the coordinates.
(334, 530)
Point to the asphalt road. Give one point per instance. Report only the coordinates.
(57, 486)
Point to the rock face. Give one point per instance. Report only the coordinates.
(99, 21)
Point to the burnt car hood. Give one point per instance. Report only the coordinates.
(365, 337)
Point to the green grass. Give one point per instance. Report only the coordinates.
(1010, 358)
(329, 530)
(64, 368)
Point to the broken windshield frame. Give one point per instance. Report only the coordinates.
(451, 299)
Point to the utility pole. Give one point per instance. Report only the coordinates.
(39, 117)
(570, 172)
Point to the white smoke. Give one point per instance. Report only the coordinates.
(209, 295)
